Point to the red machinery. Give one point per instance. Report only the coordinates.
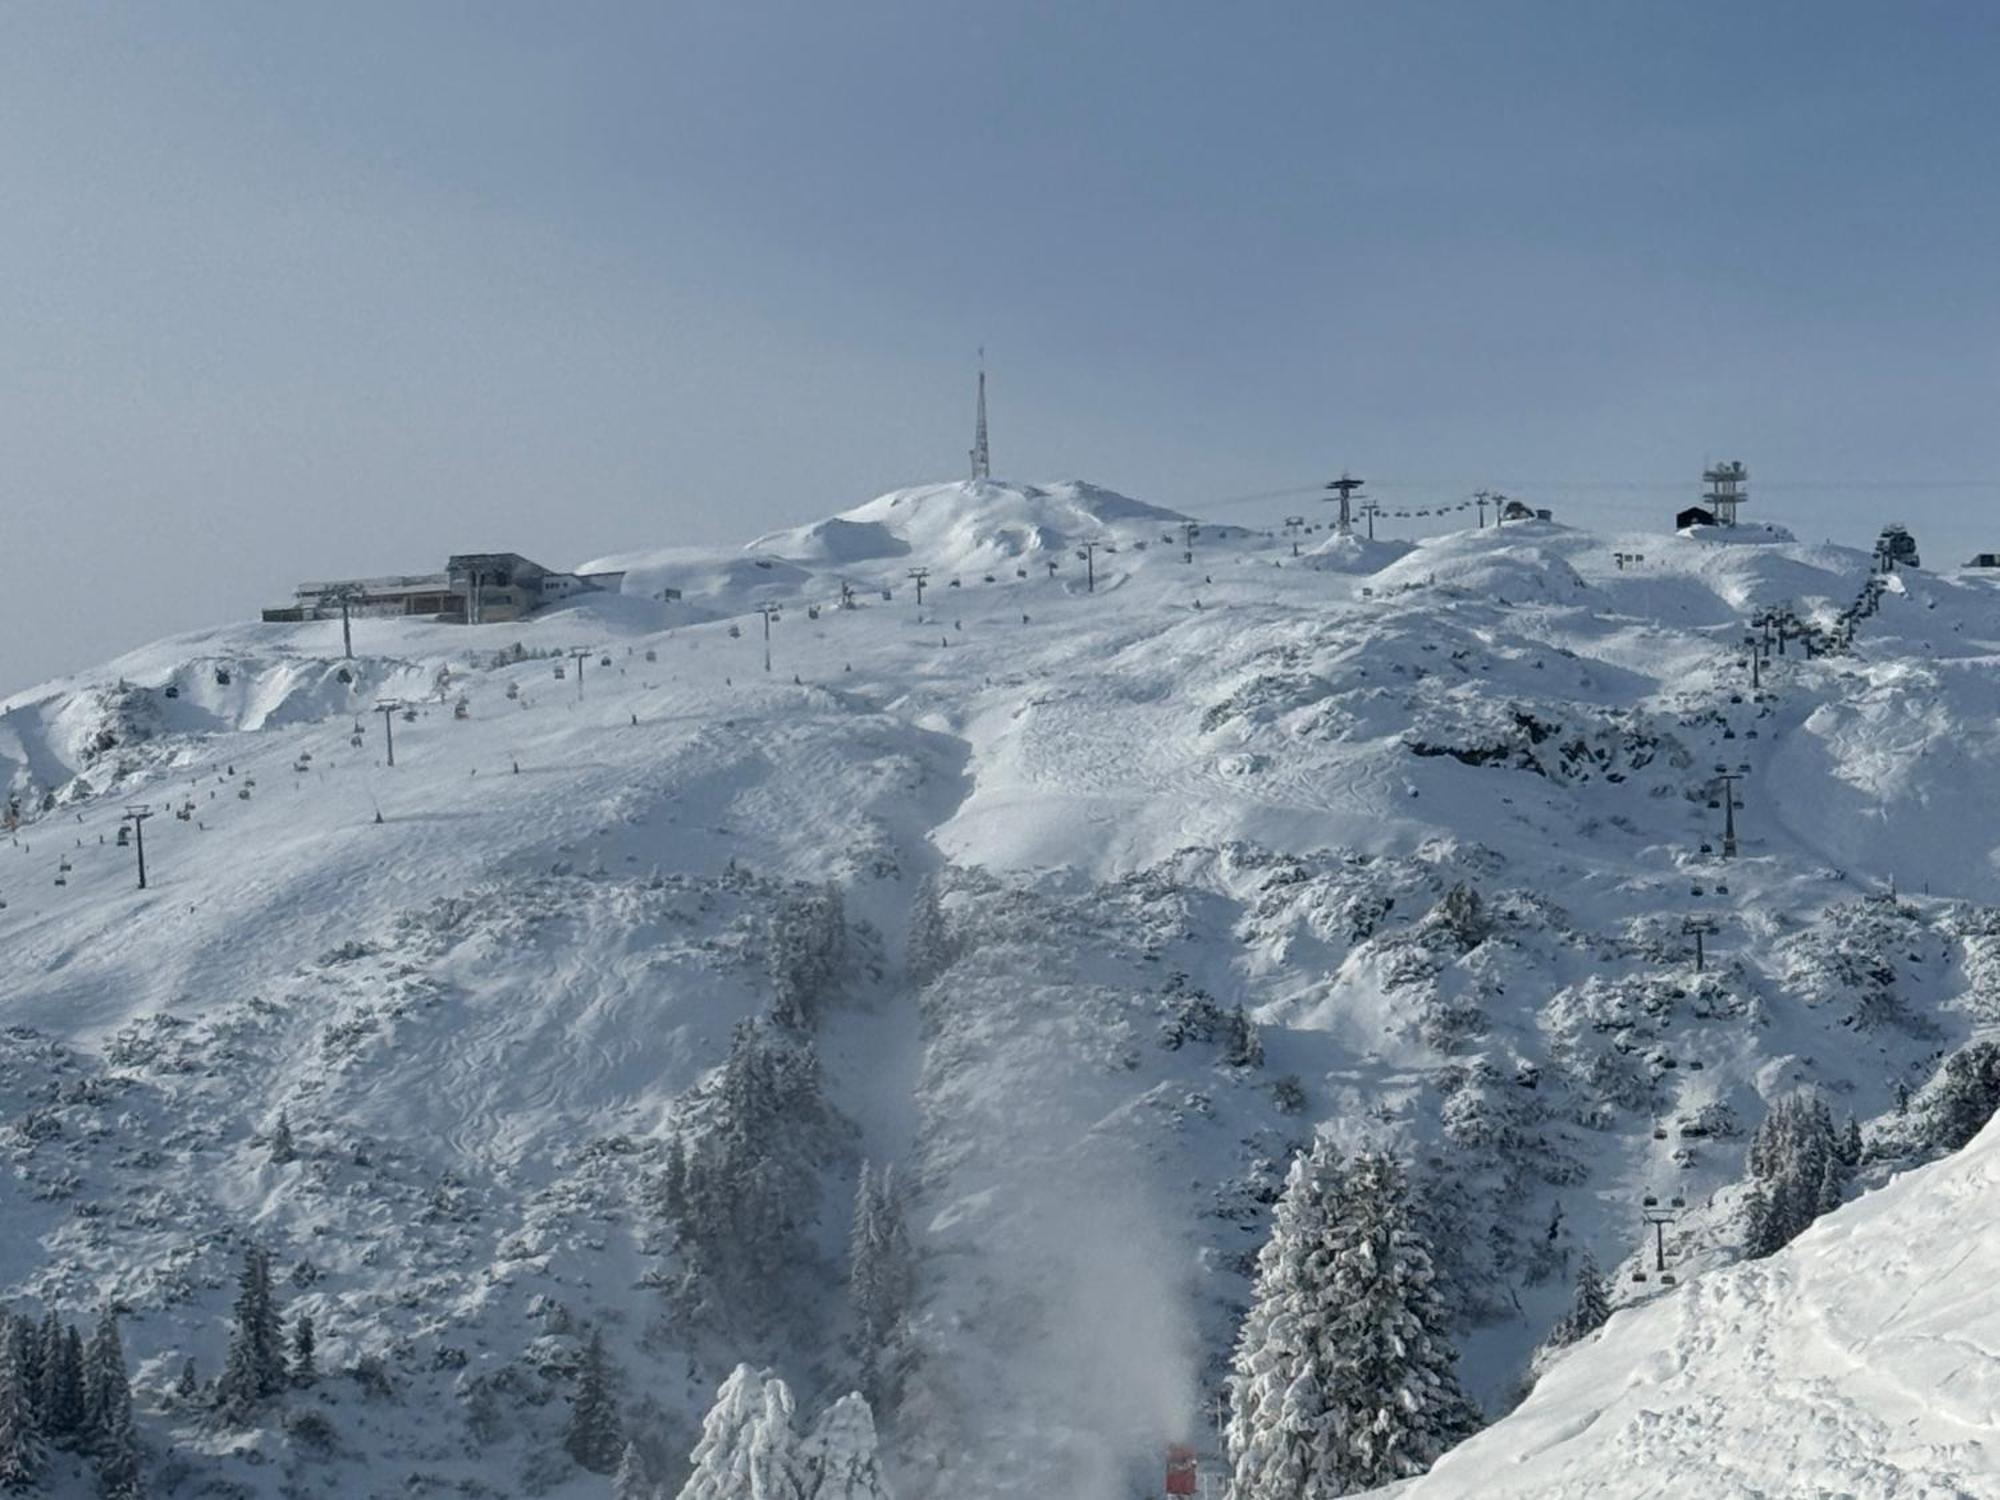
(1180, 1469)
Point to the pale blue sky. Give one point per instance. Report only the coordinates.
(292, 290)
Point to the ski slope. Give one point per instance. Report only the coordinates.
(1863, 1360)
(487, 983)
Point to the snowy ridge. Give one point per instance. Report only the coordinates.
(1431, 816)
(1862, 1360)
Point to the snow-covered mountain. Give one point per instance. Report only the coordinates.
(1433, 815)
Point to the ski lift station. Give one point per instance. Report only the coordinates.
(475, 588)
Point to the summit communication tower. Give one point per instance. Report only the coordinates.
(1728, 486)
(982, 464)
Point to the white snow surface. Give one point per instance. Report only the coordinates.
(1863, 1360)
(1245, 779)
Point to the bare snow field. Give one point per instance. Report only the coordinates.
(495, 990)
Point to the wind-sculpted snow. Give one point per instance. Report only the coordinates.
(1863, 1360)
(1395, 842)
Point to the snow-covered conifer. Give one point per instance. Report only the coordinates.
(931, 948)
(1279, 1430)
(1393, 1383)
(593, 1437)
(747, 1447)
(255, 1366)
(22, 1453)
(1590, 1308)
(838, 1457)
(1849, 1147)
(1965, 1096)
(881, 1280)
(1343, 1377)
(283, 1148)
(50, 1390)
(107, 1387)
(118, 1457)
(633, 1480)
(305, 1346)
(1242, 1046)
(806, 947)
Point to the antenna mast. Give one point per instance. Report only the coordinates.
(982, 465)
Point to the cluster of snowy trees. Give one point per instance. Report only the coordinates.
(739, 1194)
(750, 1447)
(1196, 1016)
(57, 1391)
(1343, 1375)
(805, 951)
(1800, 1164)
(1964, 1096)
(881, 1284)
(261, 1362)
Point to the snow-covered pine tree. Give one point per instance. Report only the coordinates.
(118, 1458)
(28, 1348)
(1849, 1147)
(1763, 1229)
(1278, 1438)
(593, 1437)
(107, 1388)
(806, 947)
(1831, 1179)
(839, 1457)
(750, 1183)
(283, 1148)
(1965, 1096)
(747, 1446)
(1242, 1046)
(74, 1397)
(22, 1452)
(255, 1366)
(1590, 1308)
(1793, 1154)
(1392, 1383)
(881, 1279)
(931, 948)
(305, 1347)
(48, 1393)
(1462, 915)
(633, 1480)
(774, 1464)
(188, 1386)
